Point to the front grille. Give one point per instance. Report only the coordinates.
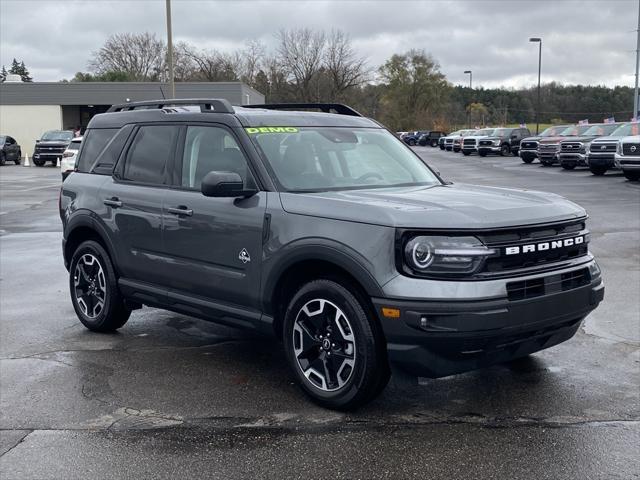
(602, 156)
(537, 287)
(548, 147)
(631, 149)
(469, 142)
(448, 140)
(486, 143)
(528, 145)
(54, 150)
(570, 147)
(504, 263)
(603, 147)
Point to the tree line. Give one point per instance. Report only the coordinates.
(407, 92)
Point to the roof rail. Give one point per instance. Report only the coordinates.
(338, 108)
(215, 105)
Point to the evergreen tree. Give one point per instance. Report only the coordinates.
(4, 74)
(19, 68)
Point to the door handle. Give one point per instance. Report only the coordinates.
(113, 202)
(180, 211)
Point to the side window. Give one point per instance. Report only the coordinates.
(208, 149)
(11, 141)
(93, 143)
(149, 153)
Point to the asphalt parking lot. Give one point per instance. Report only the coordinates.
(171, 396)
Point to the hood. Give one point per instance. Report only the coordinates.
(583, 139)
(52, 143)
(493, 138)
(533, 139)
(456, 206)
(555, 139)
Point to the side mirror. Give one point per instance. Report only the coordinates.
(37, 141)
(224, 184)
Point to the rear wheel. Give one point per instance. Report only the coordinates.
(633, 176)
(94, 289)
(598, 170)
(335, 349)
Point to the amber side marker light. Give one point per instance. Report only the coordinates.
(390, 312)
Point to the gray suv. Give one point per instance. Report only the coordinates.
(323, 230)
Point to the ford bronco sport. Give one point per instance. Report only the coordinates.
(324, 230)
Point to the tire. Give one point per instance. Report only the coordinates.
(354, 372)
(38, 163)
(466, 154)
(3, 158)
(18, 159)
(482, 154)
(632, 176)
(598, 171)
(505, 150)
(568, 166)
(441, 147)
(545, 163)
(527, 160)
(91, 271)
(412, 142)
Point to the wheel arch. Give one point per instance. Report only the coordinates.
(310, 263)
(82, 228)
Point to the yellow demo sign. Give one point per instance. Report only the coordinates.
(271, 130)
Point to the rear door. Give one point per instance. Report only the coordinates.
(214, 245)
(133, 197)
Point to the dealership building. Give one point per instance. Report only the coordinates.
(27, 110)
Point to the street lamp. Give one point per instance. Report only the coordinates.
(470, 77)
(172, 83)
(539, 42)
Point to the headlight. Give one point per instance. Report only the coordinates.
(496, 142)
(445, 256)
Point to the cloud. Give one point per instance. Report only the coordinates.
(584, 41)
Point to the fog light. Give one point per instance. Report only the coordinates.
(423, 322)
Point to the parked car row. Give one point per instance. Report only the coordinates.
(599, 147)
(485, 141)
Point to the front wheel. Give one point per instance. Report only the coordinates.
(568, 166)
(527, 160)
(465, 153)
(94, 289)
(633, 176)
(18, 158)
(504, 150)
(334, 346)
(412, 143)
(3, 158)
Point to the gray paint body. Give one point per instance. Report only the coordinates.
(192, 264)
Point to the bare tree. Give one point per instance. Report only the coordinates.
(300, 55)
(251, 59)
(140, 56)
(210, 65)
(343, 67)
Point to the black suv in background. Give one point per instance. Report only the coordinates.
(51, 146)
(9, 150)
(504, 141)
(431, 138)
(323, 230)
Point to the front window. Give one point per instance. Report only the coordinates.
(319, 159)
(554, 131)
(54, 135)
(574, 130)
(487, 132)
(626, 130)
(501, 132)
(601, 130)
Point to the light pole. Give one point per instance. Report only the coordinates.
(539, 42)
(470, 73)
(172, 83)
(635, 95)
(470, 78)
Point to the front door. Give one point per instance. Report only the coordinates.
(213, 245)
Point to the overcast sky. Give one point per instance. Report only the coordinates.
(586, 41)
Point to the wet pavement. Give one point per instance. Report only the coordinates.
(171, 396)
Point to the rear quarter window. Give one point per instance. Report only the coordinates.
(93, 143)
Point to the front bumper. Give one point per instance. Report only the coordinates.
(605, 161)
(47, 157)
(489, 149)
(573, 159)
(436, 338)
(528, 154)
(627, 162)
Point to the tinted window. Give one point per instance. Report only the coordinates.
(93, 143)
(53, 135)
(149, 153)
(109, 157)
(73, 146)
(210, 149)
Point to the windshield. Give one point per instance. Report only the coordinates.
(315, 159)
(487, 132)
(57, 135)
(626, 130)
(574, 130)
(601, 130)
(501, 132)
(554, 131)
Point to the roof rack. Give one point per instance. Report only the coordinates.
(338, 108)
(207, 105)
